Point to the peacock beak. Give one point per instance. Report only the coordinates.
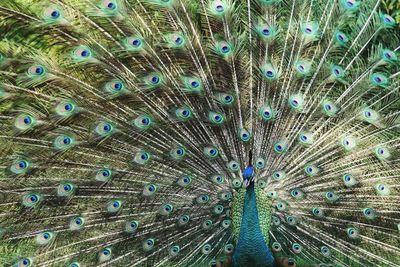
(248, 181)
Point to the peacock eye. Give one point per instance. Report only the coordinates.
(269, 73)
(206, 249)
(178, 40)
(291, 262)
(280, 147)
(39, 70)
(148, 244)
(68, 107)
(276, 246)
(67, 187)
(22, 164)
(85, 53)
(136, 42)
(107, 127)
(219, 8)
(55, 14)
(27, 120)
(111, 5)
(131, 226)
(117, 86)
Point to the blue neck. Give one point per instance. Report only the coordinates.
(251, 249)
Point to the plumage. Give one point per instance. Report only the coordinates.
(199, 133)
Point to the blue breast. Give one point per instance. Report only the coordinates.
(251, 249)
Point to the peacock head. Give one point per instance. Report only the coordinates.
(248, 176)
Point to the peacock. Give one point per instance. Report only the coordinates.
(216, 133)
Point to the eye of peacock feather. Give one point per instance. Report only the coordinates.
(68, 107)
(276, 247)
(27, 120)
(280, 147)
(136, 42)
(22, 164)
(260, 163)
(350, 5)
(291, 262)
(296, 248)
(206, 249)
(388, 21)
(39, 70)
(20, 167)
(55, 14)
(26, 262)
(45, 238)
(317, 211)
(31, 200)
(131, 226)
(341, 38)
(148, 244)
(111, 5)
